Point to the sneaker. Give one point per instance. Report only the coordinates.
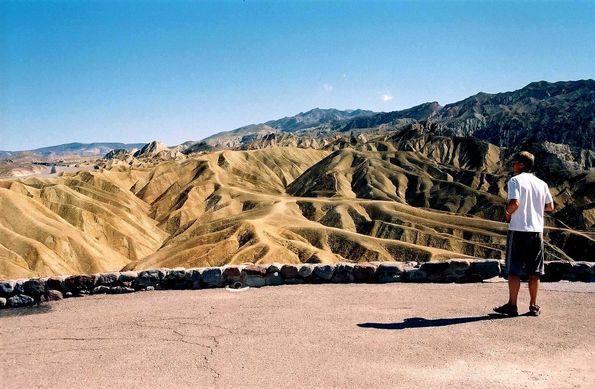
(507, 309)
(534, 310)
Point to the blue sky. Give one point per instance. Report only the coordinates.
(134, 71)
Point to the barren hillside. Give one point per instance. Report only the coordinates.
(277, 204)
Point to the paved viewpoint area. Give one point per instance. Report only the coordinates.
(391, 335)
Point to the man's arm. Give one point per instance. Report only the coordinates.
(549, 201)
(512, 206)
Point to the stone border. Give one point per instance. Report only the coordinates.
(18, 293)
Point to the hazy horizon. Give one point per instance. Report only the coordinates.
(132, 72)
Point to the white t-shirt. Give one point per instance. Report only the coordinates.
(533, 194)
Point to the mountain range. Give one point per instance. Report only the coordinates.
(560, 112)
(82, 149)
(424, 184)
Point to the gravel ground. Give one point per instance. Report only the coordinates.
(394, 335)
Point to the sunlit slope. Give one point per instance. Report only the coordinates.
(97, 221)
(46, 242)
(231, 207)
(81, 223)
(197, 189)
(275, 229)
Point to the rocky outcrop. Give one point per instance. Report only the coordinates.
(157, 151)
(196, 147)
(117, 154)
(150, 149)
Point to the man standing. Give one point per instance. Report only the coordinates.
(528, 199)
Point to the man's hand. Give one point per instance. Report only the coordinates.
(512, 206)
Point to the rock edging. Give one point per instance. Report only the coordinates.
(18, 293)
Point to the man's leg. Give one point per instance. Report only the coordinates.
(514, 281)
(514, 285)
(533, 287)
(510, 308)
(513, 266)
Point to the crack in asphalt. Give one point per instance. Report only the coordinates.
(207, 361)
(177, 326)
(171, 324)
(7, 345)
(53, 352)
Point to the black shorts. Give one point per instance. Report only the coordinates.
(524, 253)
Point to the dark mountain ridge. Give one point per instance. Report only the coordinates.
(560, 112)
(420, 112)
(316, 117)
(330, 118)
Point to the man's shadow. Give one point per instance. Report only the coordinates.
(420, 322)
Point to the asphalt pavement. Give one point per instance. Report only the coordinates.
(356, 335)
